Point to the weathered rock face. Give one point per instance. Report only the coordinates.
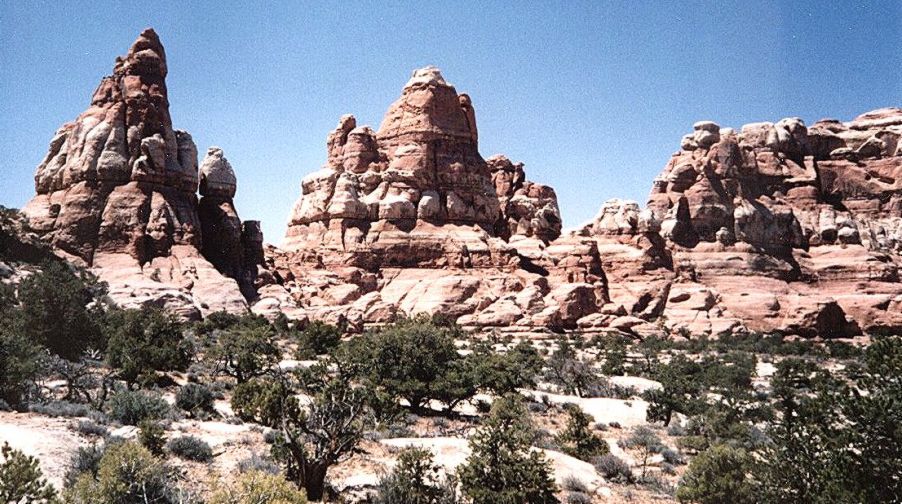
(779, 227)
(412, 219)
(117, 192)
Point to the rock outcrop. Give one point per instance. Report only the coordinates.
(779, 227)
(776, 228)
(411, 218)
(117, 192)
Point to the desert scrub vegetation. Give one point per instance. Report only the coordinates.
(823, 427)
(128, 473)
(131, 407)
(501, 467)
(21, 479)
(416, 479)
(195, 399)
(256, 487)
(190, 448)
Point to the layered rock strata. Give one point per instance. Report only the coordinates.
(117, 192)
(411, 218)
(776, 227)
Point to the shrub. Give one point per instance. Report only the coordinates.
(681, 381)
(194, 398)
(61, 409)
(646, 442)
(54, 309)
(579, 498)
(21, 479)
(127, 473)
(414, 360)
(317, 338)
(85, 460)
(20, 359)
(90, 428)
(130, 407)
(613, 468)
(190, 448)
(142, 342)
(255, 487)
(244, 352)
(504, 373)
(719, 474)
(676, 430)
(577, 439)
(574, 484)
(415, 480)
(152, 436)
(673, 457)
(571, 374)
(501, 467)
(257, 463)
(263, 401)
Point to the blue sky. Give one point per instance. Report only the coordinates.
(592, 96)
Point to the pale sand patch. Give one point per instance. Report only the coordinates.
(636, 382)
(49, 439)
(452, 452)
(627, 413)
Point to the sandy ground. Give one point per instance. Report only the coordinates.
(627, 413)
(50, 439)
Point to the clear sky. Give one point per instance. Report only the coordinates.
(592, 96)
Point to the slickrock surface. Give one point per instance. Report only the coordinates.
(117, 192)
(775, 227)
(412, 219)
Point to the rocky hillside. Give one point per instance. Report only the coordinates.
(776, 227)
(117, 192)
(772, 227)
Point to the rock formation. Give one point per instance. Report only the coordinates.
(117, 192)
(412, 219)
(778, 227)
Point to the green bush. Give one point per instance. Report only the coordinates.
(194, 398)
(21, 479)
(55, 310)
(577, 439)
(131, 407)
(501, 468)
(91, 428)
(85, 460)
(414, 360)
(415, 480)
(644, 440)
(62, 409)
(256, 487)
(682, 385)
(127, 473)
(317, 338)
(572, 374)
(504, 373)
(152, 436)
(613, 468)
(20, 358)
(142, 342)
(245, 351)
(190, 448)
(264, 401)
(719, 474)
